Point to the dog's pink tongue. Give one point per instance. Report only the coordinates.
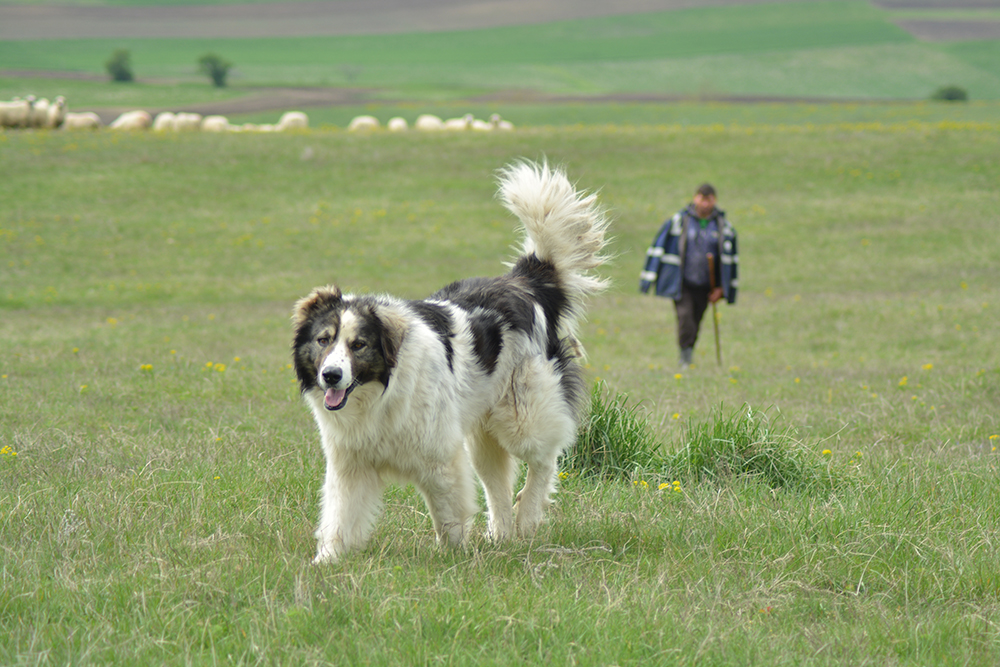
(334, 398)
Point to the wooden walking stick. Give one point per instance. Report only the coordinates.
(715, 315)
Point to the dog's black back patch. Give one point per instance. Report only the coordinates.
(487, 338)
(503, 295)
(509, 302)
(543, 282)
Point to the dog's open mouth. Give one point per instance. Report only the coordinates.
(335, 399)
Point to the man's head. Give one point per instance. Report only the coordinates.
(704, 200)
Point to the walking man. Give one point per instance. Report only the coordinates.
(678, 263)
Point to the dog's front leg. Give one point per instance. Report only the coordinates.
(350, 502)
(450, 493)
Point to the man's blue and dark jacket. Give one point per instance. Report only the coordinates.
(664, 259)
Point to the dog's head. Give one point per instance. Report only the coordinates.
(344, 342)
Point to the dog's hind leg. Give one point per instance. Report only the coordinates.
(535, 497)
(535, 422)
(450, 493)
(496, 469)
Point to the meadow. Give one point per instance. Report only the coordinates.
(159, 474)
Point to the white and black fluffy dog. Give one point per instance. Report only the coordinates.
(483, 371)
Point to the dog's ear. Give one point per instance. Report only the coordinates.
(393, 331)
(321, 298)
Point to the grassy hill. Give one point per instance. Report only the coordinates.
(833, 50)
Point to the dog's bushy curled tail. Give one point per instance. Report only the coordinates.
(562, 226)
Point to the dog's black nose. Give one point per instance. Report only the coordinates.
(331, 376)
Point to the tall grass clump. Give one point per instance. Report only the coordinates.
(615, 439)
(746, 446)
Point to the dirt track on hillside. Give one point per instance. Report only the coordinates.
(346, 17)
(298, 19)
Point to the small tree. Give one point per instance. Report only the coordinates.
(215, 67)
(950, 94)
(119, 66)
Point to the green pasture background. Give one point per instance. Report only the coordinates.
(158, 472)
(826, 50)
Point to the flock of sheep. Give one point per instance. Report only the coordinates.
(431, 123)
(32, 112)
(168, 121)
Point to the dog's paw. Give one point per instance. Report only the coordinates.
(325, 554)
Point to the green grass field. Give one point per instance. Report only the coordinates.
(829, 50)
(159, 474)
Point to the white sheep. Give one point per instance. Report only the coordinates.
(397, 124)
(17, 112)
(57, 113)
(132, 120)
(186, 121)
(363, 123)
(39, 113)
(293, 120)
(83, 120)
(164, 121)
(481, 126)
(428, 123)
(215, 124)
(499, 123)
(459, 124)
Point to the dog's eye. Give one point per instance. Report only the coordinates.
(357, 345)
(323, 341)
